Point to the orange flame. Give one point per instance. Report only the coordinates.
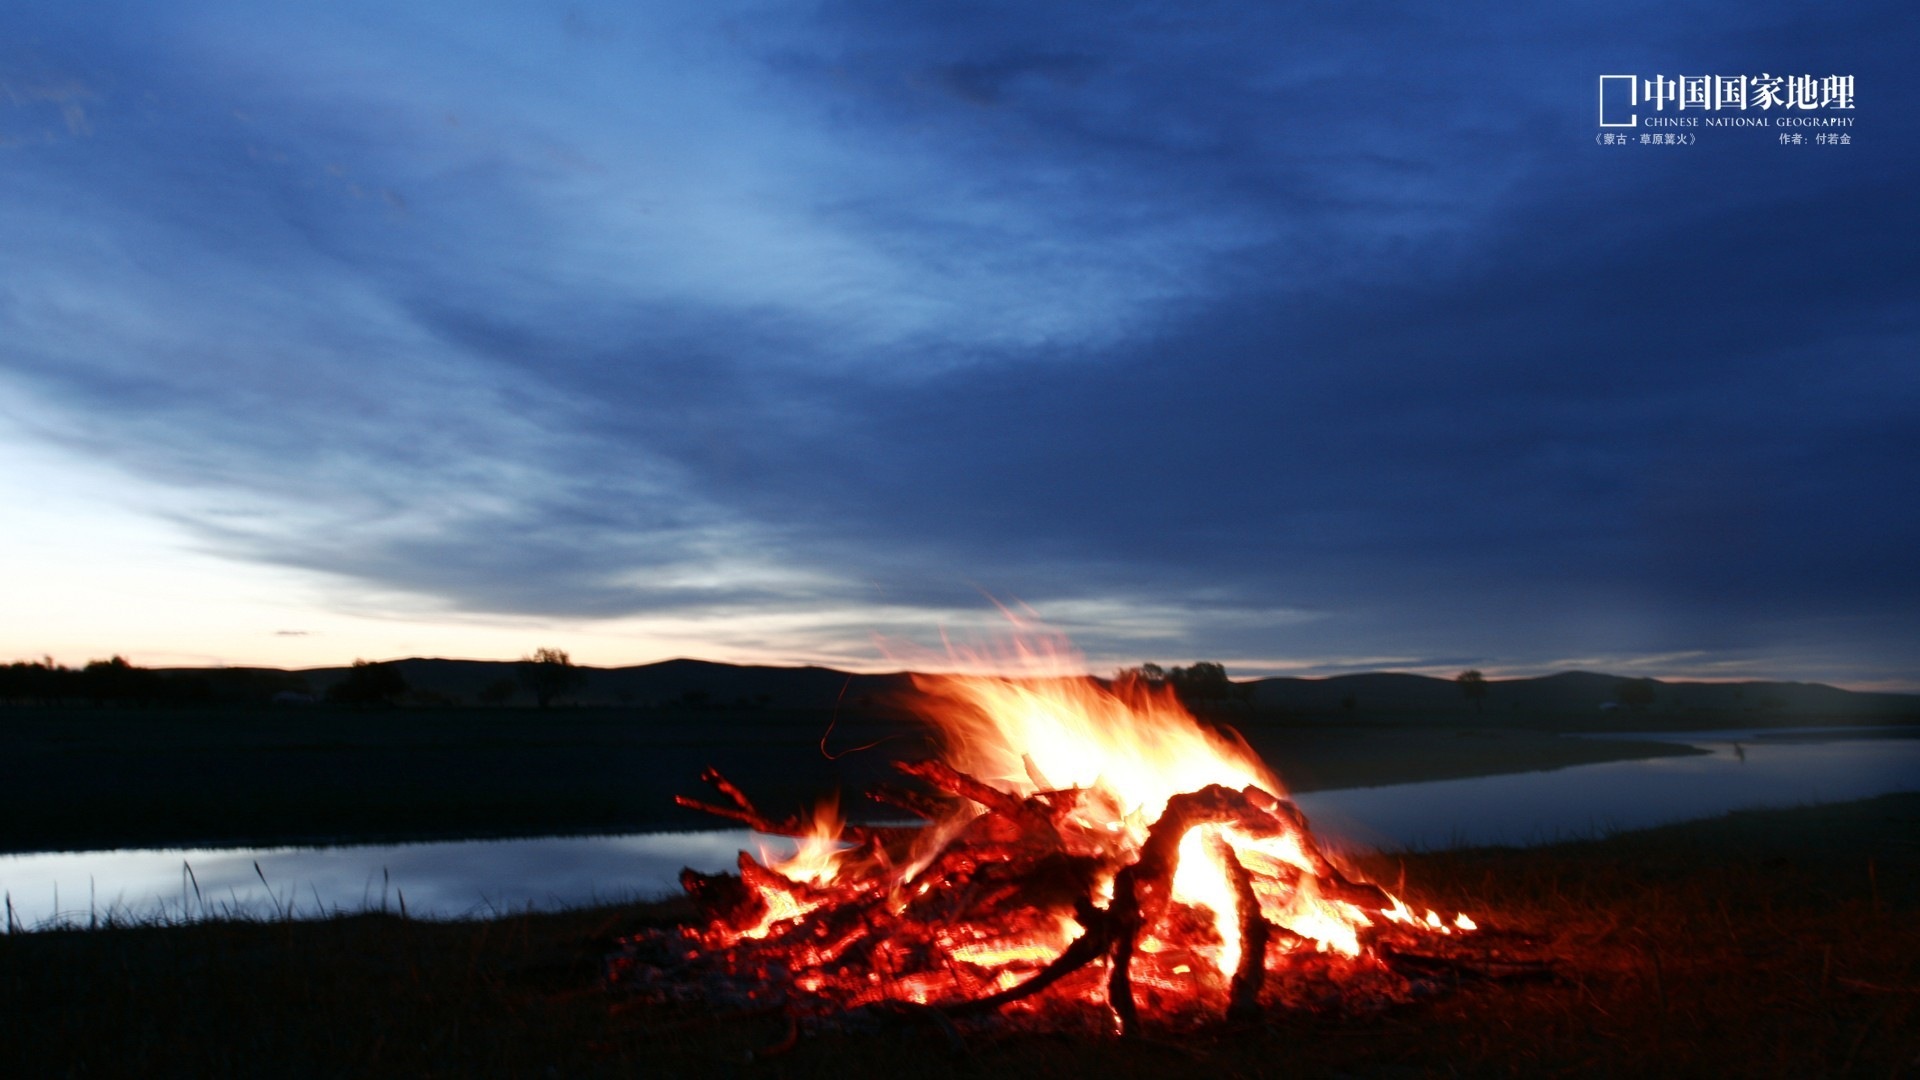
(1131, 740)
(1043, 729)
(816, 861)
(1125, 750)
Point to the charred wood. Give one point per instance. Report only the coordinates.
(1243, 996)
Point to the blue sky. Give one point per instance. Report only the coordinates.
(1308, 338)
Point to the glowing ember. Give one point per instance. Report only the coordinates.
(1086, 845)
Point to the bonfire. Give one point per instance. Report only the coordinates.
(1088, 854)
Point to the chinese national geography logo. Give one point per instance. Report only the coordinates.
(1671, 109)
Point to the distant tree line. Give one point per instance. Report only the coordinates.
(1203, 682)
(100, 682)
(548, 675)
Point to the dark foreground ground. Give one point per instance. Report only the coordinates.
(1779, 943)
(91, 778)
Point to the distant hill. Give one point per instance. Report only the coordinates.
(1575, 695)
(693, 684)
(1583, 698)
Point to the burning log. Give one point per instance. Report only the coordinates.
(922, 806)
(1255, 931)
(742, 810)
(998, 880)
(958, 783)
(1168, 881)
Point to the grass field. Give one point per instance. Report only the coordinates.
(1779, 943)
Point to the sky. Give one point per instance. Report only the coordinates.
(1305, 338)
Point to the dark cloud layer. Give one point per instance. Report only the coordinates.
(1317, 339)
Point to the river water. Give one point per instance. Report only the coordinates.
(1741, 769)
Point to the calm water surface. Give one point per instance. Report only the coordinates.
(482, 877)
(1740, 770)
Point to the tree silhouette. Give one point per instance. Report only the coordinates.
(549, 673)
(41, 681)
(1148, 674)
(108, 680)
(368, 683)
(1204, 680)
(1473, 685)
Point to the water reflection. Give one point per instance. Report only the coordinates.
(1753, 770)
(441, 880)
(476, 878)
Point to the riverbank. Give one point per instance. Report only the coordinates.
(1775, 943)
(91, 779)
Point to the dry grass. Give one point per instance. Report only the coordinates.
(1757, 945)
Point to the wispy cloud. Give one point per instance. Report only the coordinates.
(1230, 335)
